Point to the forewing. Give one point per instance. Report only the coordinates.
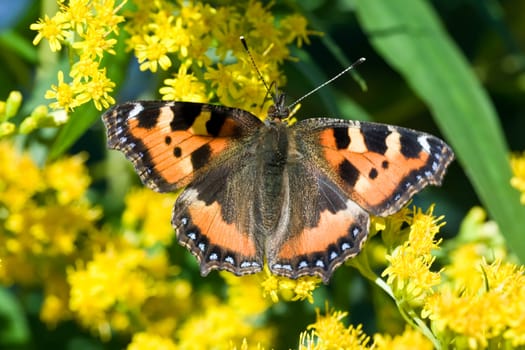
(171, 143)
(379, 166)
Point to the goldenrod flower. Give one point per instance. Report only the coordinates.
(154, 53)
(184, 87)
(47, 214)
(68, 178)
(86, 27)
(328, 332)
(63, 93)
(409, 339)
(409, 272)
(277, 287)
(77, 13)
(148, 341)
(218, 326)
(97, 89)
(54, 29)
(517, 163)
(148, 216)
(473, 316)
(295, 27)
(94, 43)
(245, 295)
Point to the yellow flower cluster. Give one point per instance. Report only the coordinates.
(204, 41)
(474, 318)
(144, 293)
(479, 304)
(134, 294)
(328, 332)
(517, 163)
(409, 271)
(145, 224)
(44, 215)
(468, 304)
(87, 28)
(49, 237)
(276, 287)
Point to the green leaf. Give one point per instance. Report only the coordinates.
(409, 36)
(11, 40)
(83, 117)
(14, 330)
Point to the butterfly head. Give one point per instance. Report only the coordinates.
(278, 111)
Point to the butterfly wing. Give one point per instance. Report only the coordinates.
(176, 144)
(171, 143)
(337, 173)
(378, 166)
(322, 227)
(215, 215)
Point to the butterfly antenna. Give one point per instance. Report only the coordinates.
(352, 66)
(243, 41)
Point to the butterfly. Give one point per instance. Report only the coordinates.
(296, 197)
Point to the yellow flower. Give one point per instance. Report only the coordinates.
(54, 29)
(154, 53)
(77, 13)
(244, 294)
(328, 332)
(277, 287)
(69, 178)
(106, 14)
(148, 215)
(409, 271)
(63, 93)
(96, 289)
(97, 89)
(295, 28)
(83, 69)
(48, 217)
(410, 339)
(85, 27)
(148, 341)
(261, 20)
(184, 87)
(95, 43)
(244, 346)
(218, 326)
(517, 163)
(52, 307)
(492, 313)
(224, 79)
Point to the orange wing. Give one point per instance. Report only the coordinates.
(214, 219)
(170, 143)
(324, 228)
(378, 166)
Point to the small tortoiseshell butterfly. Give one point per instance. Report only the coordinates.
(298, 197)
